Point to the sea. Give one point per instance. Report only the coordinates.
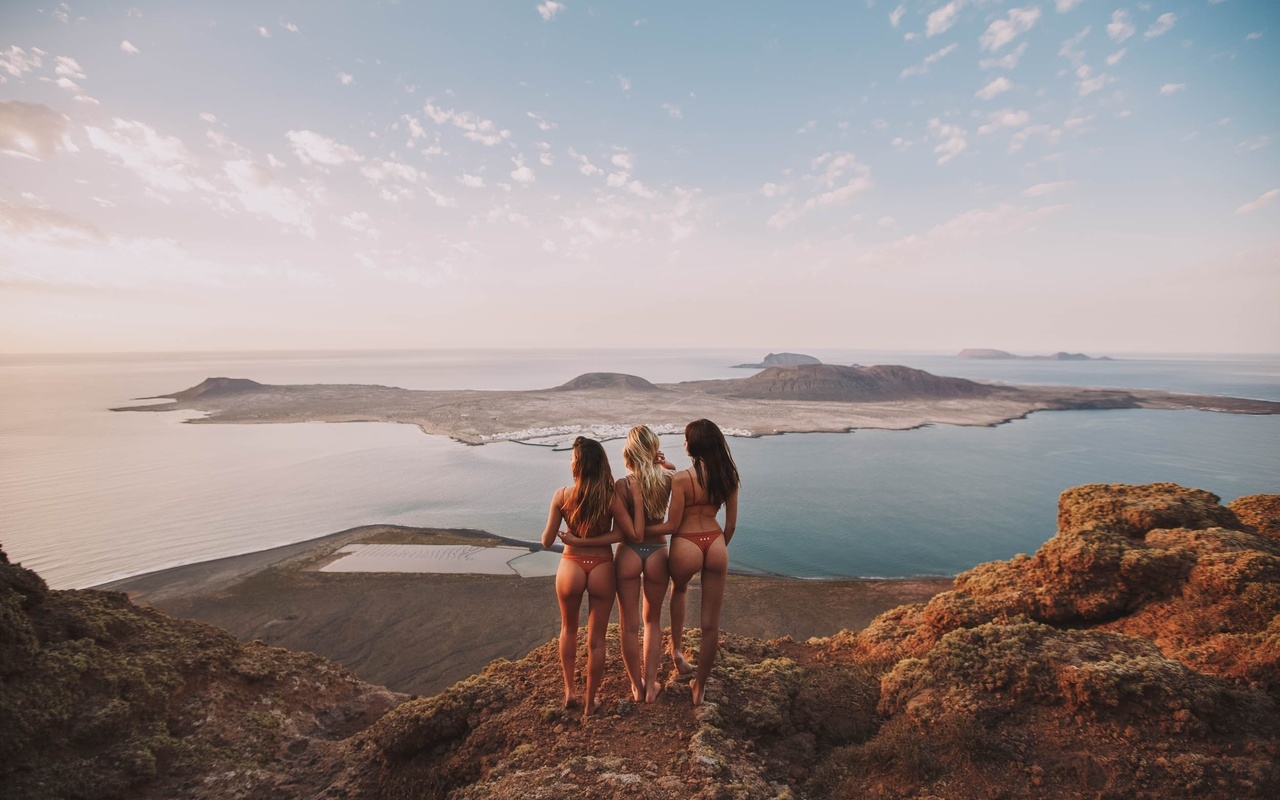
(89, 495)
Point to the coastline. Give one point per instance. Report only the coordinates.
(420, 632)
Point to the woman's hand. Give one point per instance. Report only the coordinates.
(571, 540)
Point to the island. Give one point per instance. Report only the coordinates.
(816, 398)
(980, 352)
(781, 360)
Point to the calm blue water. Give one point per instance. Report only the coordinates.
(87, 495)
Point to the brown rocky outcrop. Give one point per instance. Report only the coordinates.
(1135, 655)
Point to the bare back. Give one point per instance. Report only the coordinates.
(699, 512)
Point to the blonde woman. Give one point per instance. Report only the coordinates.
(700, 544)
(643, 563)
(596, 517)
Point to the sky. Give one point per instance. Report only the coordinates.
(1083, 175)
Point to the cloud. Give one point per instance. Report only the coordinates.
(1253, 35)
(360, 222)
(1264, 199)
(163, 162)
(549, 10)
(772, 190)
(617, 179)
(1041, 189)
(1115, 57)
(895, 16)
(623, 160)
(929, 60)
(1087, 83)
(288, 26)
(315, 148)
(262, 195)
(18, 62)
(473, 127)
(471, 181)
(546, 159)
(995, 87)
(68, 68)
(1254, 143)
(380, 170)
(1002, 31)
(127, 47)
(584, 164)
(1163, 24)
(31, 130)
(673, 110)
(45, 226)
(263, 32)
(1120, 28)
(951, 139)
(522, 174)
(1004, 118)
(808, 127)
(624, 82)
(1064, 6)
(1172, 88)
(542, 124)
(205, 116)
(1007, 61)
(941, 20)
(843, 178)
(956, 235)
(346, 78)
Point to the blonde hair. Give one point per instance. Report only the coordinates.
(640, 454)
(588, 499)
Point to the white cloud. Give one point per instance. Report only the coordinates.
(473, 127)
(549, 10)
(617, 179)
(941, 20)
(623, 160)
(808, 127)
(895, 16)
(546, 159)
(18, 62)
(522, 174)
(1265, 199)
(127, 47)
(1254, 143)
(1253, 35)
(261, 194)
(471, 181)
(205, 116)
(1120, 28)
(929, 60)
(954, 236)
(886, 222)
(346, 78)
(1007, 61)
(640, 190)
(1172, 88)
(1115, 57)
(1019, 139)
(1088, 83)
(380, 170)
(31, 130)
(163, 162)
(288, 26)
(263, 32)
(1163, 24)
(360, 222)
(1064, 6)
(995, 87)
(1070, 48)
(68, 68)
(542, 124)
(843, 178)
(624, 82)
(67, 84)
(673, 110)
(1041, 189)
(771, 190)
(62, 13)
(1002, 31)
(584, 164)
(314, 148)
(1004, 118)
(45, 226)
(951, 139)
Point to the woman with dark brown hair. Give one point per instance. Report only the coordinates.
(700, 543)
(596, 518)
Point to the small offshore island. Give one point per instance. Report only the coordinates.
(801, 398)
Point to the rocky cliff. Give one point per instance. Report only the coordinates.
(1136, 654)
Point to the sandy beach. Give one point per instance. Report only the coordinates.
(420, 632)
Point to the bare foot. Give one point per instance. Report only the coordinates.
(698, 691)
(655, 689)
(637, 692)
(571, 701)
(682, 664)
(592, 708)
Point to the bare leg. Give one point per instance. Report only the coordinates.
(655, 591)
(715, 570)
(628, 567)
(685, 561)
(570, 584)
(601, 586)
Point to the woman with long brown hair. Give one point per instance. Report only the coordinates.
(596, 518)
(643, 563)
(700, 544)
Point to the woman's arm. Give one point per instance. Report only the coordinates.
(636, 522)
(730, 516)
(554, 518)
(675, 512)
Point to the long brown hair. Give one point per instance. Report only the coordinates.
(641, 457)
(587, 501)
(711, 460)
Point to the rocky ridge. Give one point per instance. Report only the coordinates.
(1136, 654)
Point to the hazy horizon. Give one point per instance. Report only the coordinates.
(1061, 175)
